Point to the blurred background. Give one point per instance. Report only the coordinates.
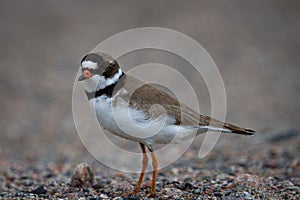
(254, 43)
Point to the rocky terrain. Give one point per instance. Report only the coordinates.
(259, 169)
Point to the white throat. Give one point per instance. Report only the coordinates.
(98, 82)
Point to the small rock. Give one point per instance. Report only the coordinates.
(175, 171)
(104, 196)
(288, 183)
(119, 174)
(171, 192)
(293, 188)
(227, 192)
(188, 186)
(228, 170)
(247, 180)
(39, 190)
(197, 191)
(222, 176)
(217, 194)
(179, 185)
(118, 198)
(123, 186)
(97, 186)
(82, 176)
(183, 186)
(247, 196)
(133, 197)
(271, 163)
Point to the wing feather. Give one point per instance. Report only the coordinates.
(144, 96)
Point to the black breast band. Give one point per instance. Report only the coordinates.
(108, 90)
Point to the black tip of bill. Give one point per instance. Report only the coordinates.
(81, 77)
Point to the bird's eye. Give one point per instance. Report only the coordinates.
(107, 69)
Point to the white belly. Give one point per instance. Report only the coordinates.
(134, 125)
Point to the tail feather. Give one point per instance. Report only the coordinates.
(238, 130)
(228, 128)
(244, 131)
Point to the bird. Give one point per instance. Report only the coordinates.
(111, 92)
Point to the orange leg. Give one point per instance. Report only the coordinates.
(144, 167)
(154, 175)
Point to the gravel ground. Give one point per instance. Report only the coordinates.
(268, 170)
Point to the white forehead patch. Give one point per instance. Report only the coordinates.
(89, 65)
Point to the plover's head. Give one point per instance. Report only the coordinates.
(99, 70)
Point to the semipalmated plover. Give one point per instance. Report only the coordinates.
(113, 93)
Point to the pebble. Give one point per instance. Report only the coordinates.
(82, 176)
(39, 190)
(175, 171)
(123, 186)
(104, 196)
(247, 196)
(171, 192)
(197, 191)
(271, 163)
(222, 176)
(246, 180)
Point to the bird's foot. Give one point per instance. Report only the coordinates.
(151, 194)
(134, 192)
